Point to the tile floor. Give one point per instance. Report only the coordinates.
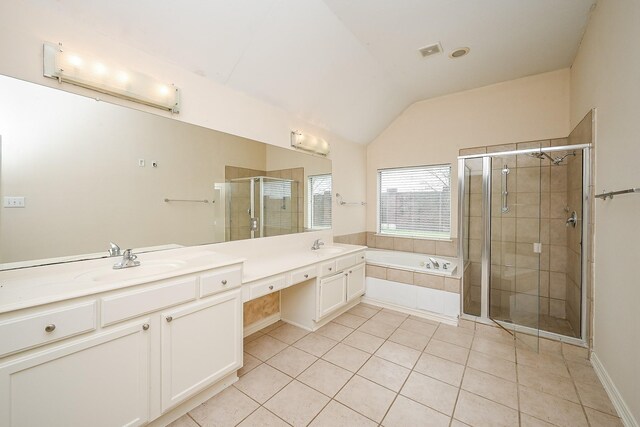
(373, 366)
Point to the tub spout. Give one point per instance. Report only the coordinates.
(434, 263)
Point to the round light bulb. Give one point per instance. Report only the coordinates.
(75, 60)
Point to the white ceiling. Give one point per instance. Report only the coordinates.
(350, 66)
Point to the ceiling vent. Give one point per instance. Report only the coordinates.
(430, 50)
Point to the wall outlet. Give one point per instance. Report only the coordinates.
(141, 163)
(13, 202)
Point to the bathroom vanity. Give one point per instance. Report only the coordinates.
(83, 344)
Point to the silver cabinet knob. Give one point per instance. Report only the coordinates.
(145, 327)
(346, 274)
(330, 268)
(50, 327)
(169, 318)
(224, 282)
(271, 287)
(350, 271)
(306, 276)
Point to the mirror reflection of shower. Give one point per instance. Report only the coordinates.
(555, 160)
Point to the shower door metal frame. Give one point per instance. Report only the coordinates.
(486, 244)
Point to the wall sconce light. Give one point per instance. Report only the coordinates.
(304, 141)
(92, 73)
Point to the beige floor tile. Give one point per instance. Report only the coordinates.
(503, 351)
(262, 418)
(390, 318)
(547, 383)
(447, 351)
(315, 344)
(252, 337)
(371, 306)
(366, 397)
(227, 408)
(297, 403)
(456, 423)
(262, 383)
(334, 331)
(362, 311)
(453, 336)
(272, 326)
(599, 419)
(364, 342)
(491, 387)
(183, 421)
(467, 324)
(440, 369)
(249, 362)
(265, 347)
(405, 412)
(325, 377)
(288, 333)
(431, 392)
(551, 408)
(595, 397)
(573, 352)
(480, 412)
(346, 357)
(292, 361)
(410, 339)
(493, 333)
(492, 365)
(377, 328)
(350, 320)
(399, 354)
(583, 372)
(423, 320)
(422, 328)
(529, 421)
(337, 415)
(385, 373)
(543, 361)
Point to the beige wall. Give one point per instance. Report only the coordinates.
(204, 102)
(432, 131)
(606, 75)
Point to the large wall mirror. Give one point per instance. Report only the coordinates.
(91, 173)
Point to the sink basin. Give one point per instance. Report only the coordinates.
(147, 268)
(329, 250)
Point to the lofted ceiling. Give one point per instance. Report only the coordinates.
(349, 66)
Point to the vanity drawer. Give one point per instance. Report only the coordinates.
(220, 280)
(360, 257)
(304, 274)
(44, 327)
(345, 262)
(266, 286)
(136, 303)
(328, 268)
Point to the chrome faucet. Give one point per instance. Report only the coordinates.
(434, 263)
(114, 250)
(317, 244)
(128, 260)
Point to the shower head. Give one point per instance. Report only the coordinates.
(559, 160)
(556, 161)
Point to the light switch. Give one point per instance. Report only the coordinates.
(13, 202)
(141, 163)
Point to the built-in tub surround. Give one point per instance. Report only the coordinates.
(416, 263)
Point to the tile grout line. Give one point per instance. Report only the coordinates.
(464, 371)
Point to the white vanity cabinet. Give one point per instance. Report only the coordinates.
(332, 293)
(355, 281)
(99, 380)
(200, 345)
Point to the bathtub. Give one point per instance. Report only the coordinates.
(425, 295)
(419, 263)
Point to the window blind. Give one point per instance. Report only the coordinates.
(415, 201)
(319, 201)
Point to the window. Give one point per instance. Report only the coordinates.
(319, 201)
(415, 201)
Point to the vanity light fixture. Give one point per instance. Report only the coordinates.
(90, 72)
(314, 144)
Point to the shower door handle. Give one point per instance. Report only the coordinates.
(253, 224)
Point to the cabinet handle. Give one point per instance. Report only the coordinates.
(169, 318)
(145, 327)
(346, 274)
(306, 276)
(224, 282)
(350, 271)
(271, 287)
(50, 327)
(330, 268)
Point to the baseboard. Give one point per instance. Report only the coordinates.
(616, 398)
(419, 313)
(260, 324)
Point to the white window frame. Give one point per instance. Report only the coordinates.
(310, 203)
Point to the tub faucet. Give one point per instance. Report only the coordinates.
(317, 244)
(434, 263)
(128, 260)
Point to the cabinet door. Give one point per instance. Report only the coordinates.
(355, 282)
(333, 293)
(201, 343)
(102, 380)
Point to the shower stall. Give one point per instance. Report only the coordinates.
(522, 221)
(261, 206)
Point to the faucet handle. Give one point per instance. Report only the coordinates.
(114, 250)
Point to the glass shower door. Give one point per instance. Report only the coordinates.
(514, 282)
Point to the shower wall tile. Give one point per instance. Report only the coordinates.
(423, 246)
(447, 248)
(503, 147)
(401, 276)
(473, 150)
(400, 244)
(428, 281)
(558, 259)
(527, 230)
